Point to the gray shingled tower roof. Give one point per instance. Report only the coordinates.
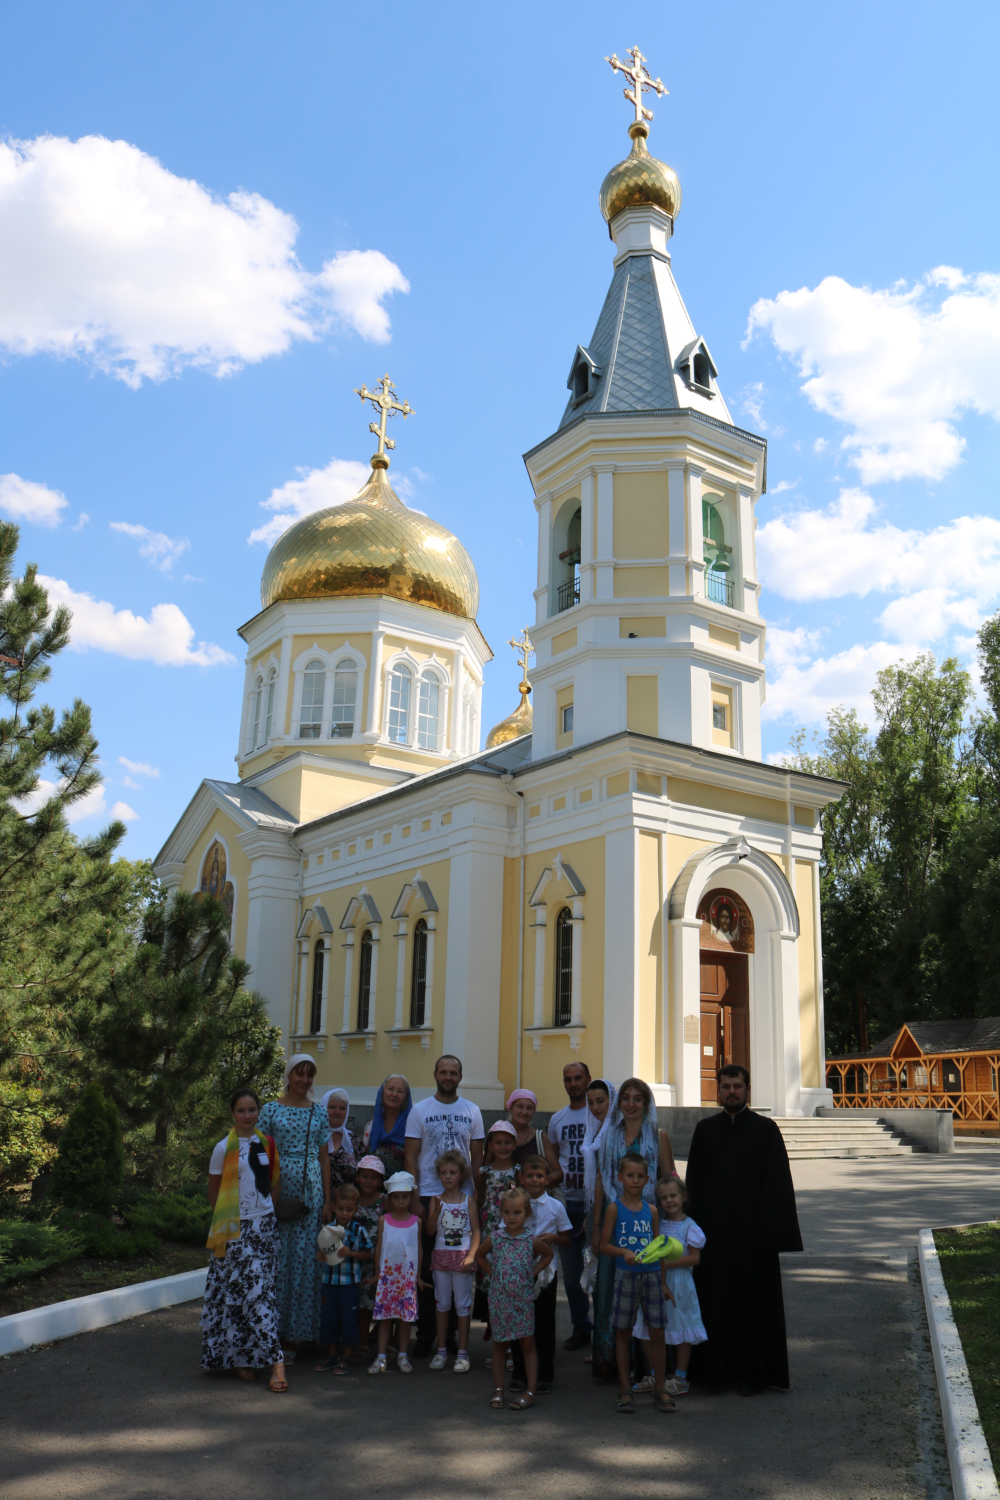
(640, 354)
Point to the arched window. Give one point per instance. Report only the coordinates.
(345, 694)
(365, 981)
(316, 1010)
(311, 711)
(427, 711)
(255, 703)
(400, 684)
(269, 716)
(418, 987)
(564, 967)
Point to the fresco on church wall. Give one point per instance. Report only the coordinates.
(726, 923)
(214, 882)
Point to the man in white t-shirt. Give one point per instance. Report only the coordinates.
(444, 1122)
(567, 1131)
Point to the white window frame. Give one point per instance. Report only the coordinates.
(331, 660)
(419, 671)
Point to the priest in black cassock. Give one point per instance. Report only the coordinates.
(740, 1194)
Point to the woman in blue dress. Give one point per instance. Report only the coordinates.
(300, 1129)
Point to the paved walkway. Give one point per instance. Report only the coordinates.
(125, 1413)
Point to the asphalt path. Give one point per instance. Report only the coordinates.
(126, 1412)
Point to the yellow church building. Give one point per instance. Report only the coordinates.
(617, 877)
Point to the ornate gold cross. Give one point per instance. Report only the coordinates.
(642, 82)
(383, 403)
(524, 650)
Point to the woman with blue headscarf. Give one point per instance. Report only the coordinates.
(631, 1126)
(385, 1134)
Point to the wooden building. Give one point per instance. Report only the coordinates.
(927, 1065)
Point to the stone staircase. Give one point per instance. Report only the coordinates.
(815, 1138)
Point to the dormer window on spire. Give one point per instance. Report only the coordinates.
(698, 367)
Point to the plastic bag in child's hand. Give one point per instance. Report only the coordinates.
(331, 1241)
(660, 1249)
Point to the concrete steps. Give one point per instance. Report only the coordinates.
(812, 1139)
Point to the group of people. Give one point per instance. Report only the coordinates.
(428, 1220)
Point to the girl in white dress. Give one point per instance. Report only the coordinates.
(684, 1322)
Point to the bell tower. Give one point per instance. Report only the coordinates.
(647, 593)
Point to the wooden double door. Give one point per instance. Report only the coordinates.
(725, 1016)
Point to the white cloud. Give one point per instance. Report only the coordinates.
(898, 367)
(785, 484)
(24, 500)
(314, 490)
(165, 638)
(127, 781)
(106, 255)
(91, 805)
(139, 767)
(161, 550)
(804, 687)
(124, 812)
(752, 405)
(84, 518)
(948, 576)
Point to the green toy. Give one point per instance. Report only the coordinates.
(660, 1249)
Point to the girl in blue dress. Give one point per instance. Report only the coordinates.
(684, 1323)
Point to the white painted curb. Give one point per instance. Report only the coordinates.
(61, 1320)
(972, 1476)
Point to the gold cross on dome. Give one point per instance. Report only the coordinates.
(524, 650)
(642, 82)
(383, 403)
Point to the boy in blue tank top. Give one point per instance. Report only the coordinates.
(630, 1223)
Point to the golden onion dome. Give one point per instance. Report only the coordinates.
(640, 179)
(372, 545)
(516, 724)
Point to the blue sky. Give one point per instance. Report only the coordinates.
(171, 355)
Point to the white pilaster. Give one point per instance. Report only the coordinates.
(576, 991)
(695, 531)
(604, 559)
(431, 920)
(456, 747)
(282, 707)
(677, 524)
(272, 919)
(372, 725)
(587, 537)
(685, 935)
(348, 977)
(544, 558)
(400, 971)
(539, 928)
(621, 902)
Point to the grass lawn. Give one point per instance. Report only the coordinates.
(970, 1263)
(81, 1277)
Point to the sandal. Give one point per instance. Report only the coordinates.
(626, 1404)
(278, 1383)
(324, 1365)
(515, 1385)
(644, 1386)
(496, 1400)
(343, 1367)
(242, 1372)
(664, 1402)
(522, 1403)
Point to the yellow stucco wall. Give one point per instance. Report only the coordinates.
(358, 1066)
(722, 799)
(808, 1007)
(219, 826)
(641, 583)
(642, 700)
(640, 515)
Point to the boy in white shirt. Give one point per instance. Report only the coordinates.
(549, 1222)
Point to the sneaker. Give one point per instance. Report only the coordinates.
(378, 1365)
(461, 1366)
(578, 1339)
(403, 1365)
(440, 1360)
(675, 1387)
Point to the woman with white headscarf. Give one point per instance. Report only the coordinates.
(339, 1141)
(300, 1129)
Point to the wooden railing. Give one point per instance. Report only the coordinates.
(857, 1084)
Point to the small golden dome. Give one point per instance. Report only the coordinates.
(372, 545)
(640, 179)
(516, 724)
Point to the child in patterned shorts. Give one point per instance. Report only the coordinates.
(630, 1223)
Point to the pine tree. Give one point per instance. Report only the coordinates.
(175, 1031)
(90, 1165)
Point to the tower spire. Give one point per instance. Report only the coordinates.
(382, 400)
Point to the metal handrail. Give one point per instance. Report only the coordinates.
(569, 594)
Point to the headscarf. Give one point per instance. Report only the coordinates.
(346, 1139)
(646, 1144)
(225, 1224)
(522, 1094)
(397, 1135)
(293, 1062)
(596, 1132)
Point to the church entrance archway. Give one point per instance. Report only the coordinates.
(725, 941)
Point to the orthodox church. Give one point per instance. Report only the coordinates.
(617, 877)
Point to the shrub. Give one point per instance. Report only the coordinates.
(29, 1249)
(90, 1164)
(24, 1151)
(175, 1217)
